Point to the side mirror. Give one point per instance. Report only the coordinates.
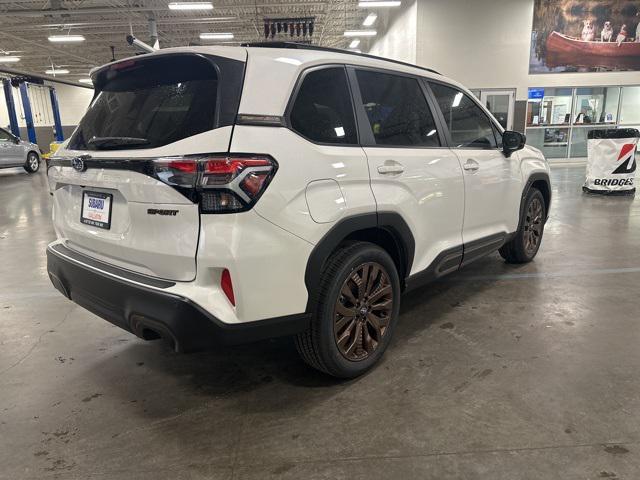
(512, 142)
(16, 140)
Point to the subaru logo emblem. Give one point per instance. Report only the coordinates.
(78, 164)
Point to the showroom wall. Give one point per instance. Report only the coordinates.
(73, 102)
(399, 39)
(483, 44)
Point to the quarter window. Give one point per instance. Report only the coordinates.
(468, 124)
(4, 136)
(322, 111)
(397, 110)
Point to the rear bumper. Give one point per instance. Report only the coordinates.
(148, 311)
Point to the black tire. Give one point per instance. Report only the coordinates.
(32, 165)
(524, 246)
(318, 346)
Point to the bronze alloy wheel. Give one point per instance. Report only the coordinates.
(533, 223)
(363, 311)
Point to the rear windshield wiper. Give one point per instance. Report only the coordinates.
(113, 142)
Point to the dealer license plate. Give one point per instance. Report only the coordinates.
(96, 209)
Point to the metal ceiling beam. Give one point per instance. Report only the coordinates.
(131, 9)
(46, 47)
(11, 72)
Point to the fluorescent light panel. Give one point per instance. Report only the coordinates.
(57, 71)
(379, 3)
(216, 36)
(66, 38)
(190, 6)
(360, 33)
(354, 43)
(370, 20)
(9, 59)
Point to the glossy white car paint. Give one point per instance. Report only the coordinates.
(267, 249)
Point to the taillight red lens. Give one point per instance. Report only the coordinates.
(186, 166)
(224, 184)
(227, 286)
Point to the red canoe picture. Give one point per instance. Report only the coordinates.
(564, 44)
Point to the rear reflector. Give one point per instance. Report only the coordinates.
(227, 286)
(220, 184)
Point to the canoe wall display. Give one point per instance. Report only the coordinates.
(585, 36)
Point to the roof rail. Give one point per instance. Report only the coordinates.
(301, 46)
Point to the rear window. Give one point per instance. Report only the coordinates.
(153, 102)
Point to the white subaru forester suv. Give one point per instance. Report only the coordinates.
(229, 194)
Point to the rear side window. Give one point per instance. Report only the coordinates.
(468, 124)
(322, 111)
(4, 136)
(397, 110)
(150, 103)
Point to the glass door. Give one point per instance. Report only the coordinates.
(500, 103)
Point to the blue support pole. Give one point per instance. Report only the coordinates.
(11, 107)
(28, 115)
(56, 114)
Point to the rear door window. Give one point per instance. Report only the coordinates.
(151, 103)
(397, 110)
(468, 124)
(322, 111)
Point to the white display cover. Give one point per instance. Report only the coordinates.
(611, 164)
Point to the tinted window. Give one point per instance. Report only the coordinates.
(467, 122)
(322, 111)
(150, 104)
(4, 136)
(397, 110)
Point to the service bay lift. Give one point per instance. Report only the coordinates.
(22, 82)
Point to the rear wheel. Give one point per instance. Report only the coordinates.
(357, 306)
(524, 246)
(32, 165)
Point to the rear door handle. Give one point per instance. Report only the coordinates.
(471, 165)
(395, 168)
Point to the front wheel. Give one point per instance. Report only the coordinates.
(32, 165)
(524, 246)
(357, 307)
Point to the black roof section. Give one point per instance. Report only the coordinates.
(302, 46)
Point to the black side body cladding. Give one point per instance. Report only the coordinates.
(446, 262)
(389, 222)
(539, 177)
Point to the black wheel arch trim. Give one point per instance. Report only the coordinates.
(391, 222)
(533, 178)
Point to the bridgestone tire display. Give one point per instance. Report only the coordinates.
(611, 161)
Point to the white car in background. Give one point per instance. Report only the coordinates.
(235, 193)
(18, 153)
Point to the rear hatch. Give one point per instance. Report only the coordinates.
(122, 185)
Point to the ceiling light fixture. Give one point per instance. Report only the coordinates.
(190, 6)
(354, 43)
(9, 59)
(216, 36)
(360, 33)
(370, 20)
(379, 3)
(57, 71)
(66, 38)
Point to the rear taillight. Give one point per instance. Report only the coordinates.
(220, 184)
